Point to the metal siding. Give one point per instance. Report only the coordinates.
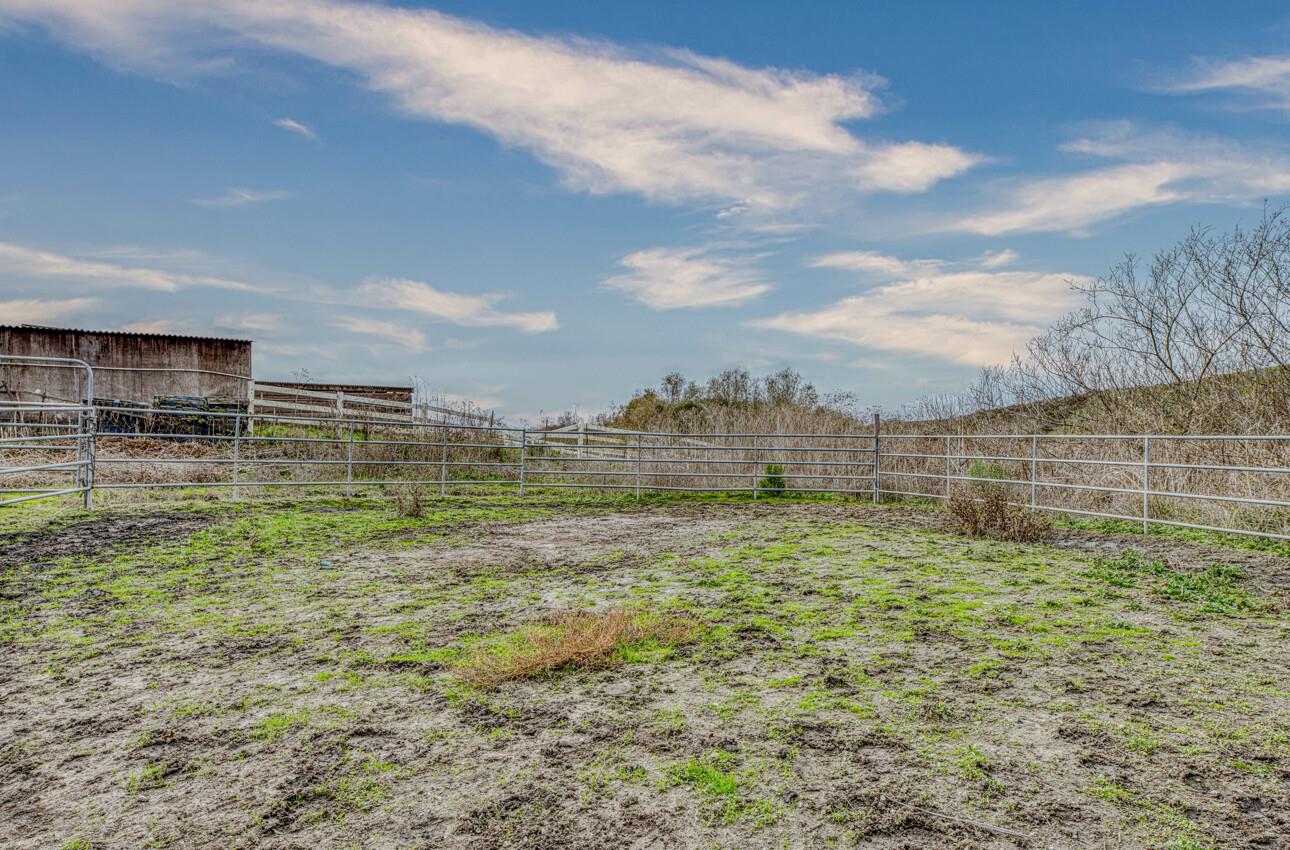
(113, 352)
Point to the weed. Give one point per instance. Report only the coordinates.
(356, 792)
(274, 726)
(986, 509)
(610, 766)
(970, 763)
(713, 776)
(710, 774)
(147, 777)
(1214, 590)
(669, 721)
(773, 484)
(410, 501)
(1142, 740)
(1109, 790)
(1187, 843)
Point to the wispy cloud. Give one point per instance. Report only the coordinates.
(460, 309)
(17, 311)
(667, 124)
(1153, 169)
(958, 312)
(1266, 79)
(479, 402)
(998, 259)
(155, 326)
(410, 339)
(875, 263)
(33, 264)
(264, 322)
(237, 196)
(686, 278)
(1076, 201)
(291, 125)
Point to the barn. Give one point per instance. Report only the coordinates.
(135, 368)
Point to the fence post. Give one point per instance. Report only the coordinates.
(1034, 477)
(80, 446)
(91, 425)
(237, 450)
(349, 463)
(877, 458)
(756, 466)
(443, 461)
(638, 467)
(949, 450)
(1146, 481)
(524, 450)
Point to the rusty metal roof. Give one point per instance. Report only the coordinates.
(29, 327)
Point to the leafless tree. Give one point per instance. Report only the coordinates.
(1198, 339)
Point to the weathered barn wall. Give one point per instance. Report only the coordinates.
(128, 366)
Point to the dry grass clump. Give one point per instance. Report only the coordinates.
(984, 510)
(577, 639)
(410, 500)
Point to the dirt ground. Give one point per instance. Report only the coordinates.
(283, 676)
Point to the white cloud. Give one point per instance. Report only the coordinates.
(39, 311)
(411, 339)
(467, 310)
(912, 166)
(1155, 168)
(154, 326)
(1070, 203)
(683, 278)
(667, 124)
(874, 263)
(241, 197)
(1265, 77)
(962, 312)
(291, 125)
(997, 259)
(29, 263)
(265, 322)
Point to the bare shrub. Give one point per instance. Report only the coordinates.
(986, 509)
(410, 501)
(575, 639)
(1197, 340)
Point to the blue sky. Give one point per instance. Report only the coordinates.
(539, 206)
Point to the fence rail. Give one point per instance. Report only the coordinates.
(339, 404)
(1228, 483)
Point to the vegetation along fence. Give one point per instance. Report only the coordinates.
(1238, 484)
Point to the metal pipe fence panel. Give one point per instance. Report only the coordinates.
(1228, 483)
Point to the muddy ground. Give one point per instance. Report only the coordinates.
(283, 677)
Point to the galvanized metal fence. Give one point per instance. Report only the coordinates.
(1147, 479)
(36, 439)
(1237, 484)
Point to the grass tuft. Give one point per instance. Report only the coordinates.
(577, 640)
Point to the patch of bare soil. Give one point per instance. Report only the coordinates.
(858, 686)
(95, 536)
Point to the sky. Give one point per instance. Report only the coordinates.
(544, 206)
